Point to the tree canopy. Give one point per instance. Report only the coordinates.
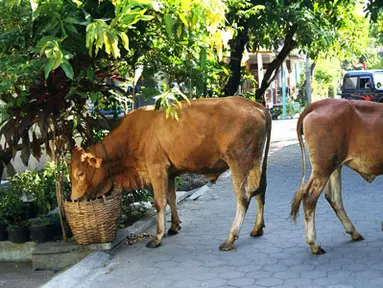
(312, 27)
(60, 57)
(56, 55)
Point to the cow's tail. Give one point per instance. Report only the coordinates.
(263, 182)
(295, 204)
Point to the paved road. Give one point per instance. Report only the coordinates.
(280, 258)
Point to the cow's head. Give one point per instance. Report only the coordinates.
(86, 174)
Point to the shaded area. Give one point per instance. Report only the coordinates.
(21, 275)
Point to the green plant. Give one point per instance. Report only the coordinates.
(50, 173)
(40, 222)
(133, 211)
(13, 210)
(292, 109)
(32, 187)
(275, 112)
(179, 181)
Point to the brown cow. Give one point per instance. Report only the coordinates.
(337, 133)
(148, 150)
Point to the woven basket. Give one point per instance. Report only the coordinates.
(95, 221)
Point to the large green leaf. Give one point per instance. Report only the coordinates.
(169, 24)
(67, 69)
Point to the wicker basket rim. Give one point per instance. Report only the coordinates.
(115, 193)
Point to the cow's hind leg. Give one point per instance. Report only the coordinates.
(243, 198)
(160, 188)
(314, 188)
(334, 197)
(176, 227)
(253, 185)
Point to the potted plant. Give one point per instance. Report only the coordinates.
(3, 229)
(3, 220)
(14, 213)
(17, 206)
(41, 230)
(17, 215)
(18, 232)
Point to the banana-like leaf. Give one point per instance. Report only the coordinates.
(10, 169)
(36, 148)
(25, 150)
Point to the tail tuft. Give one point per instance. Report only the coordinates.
(295, 204)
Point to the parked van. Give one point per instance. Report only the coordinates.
(363, 85)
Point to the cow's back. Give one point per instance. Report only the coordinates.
(345, 132)
(206, 131)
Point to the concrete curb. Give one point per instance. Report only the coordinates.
(79, 272)
(86, 268)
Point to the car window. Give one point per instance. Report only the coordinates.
(365, 82)
(378, 81)
(350, 82)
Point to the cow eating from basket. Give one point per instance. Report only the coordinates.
(148, 150)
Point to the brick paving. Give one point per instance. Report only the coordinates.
(280, 258)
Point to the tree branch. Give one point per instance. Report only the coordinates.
(273, 68)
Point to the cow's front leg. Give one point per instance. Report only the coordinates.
(176, 227)
(334, 197)
(160, 185)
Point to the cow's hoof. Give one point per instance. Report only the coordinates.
(153, 244)
(226, 247)
(317, 250)
(357, 237)
(256, 233)
(172, 232)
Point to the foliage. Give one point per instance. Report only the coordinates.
(13, 210)
(292, 109)
(168, 100)
(327, 77)
(132, 212)
(58, 56)
(30, 188)
(313, 27)
(374, 8)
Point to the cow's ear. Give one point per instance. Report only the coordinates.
(85, 156)
(95, 162)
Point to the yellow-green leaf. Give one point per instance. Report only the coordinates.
(34, 4)
(186, 5)
(125, 40)
(77, 2)
(179, 31)
(183, 19)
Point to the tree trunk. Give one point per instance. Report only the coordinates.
(308, 80)
(273, 68)
(237, 47)
(302, 93)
